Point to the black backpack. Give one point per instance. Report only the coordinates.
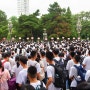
(30, 87)
(60, 62)
(59, 77)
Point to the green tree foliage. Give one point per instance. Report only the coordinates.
(3, 25)
(29, 26)
(55, 21)
(85, 20)
(14, 21)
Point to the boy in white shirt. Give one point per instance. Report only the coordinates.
(32, 75)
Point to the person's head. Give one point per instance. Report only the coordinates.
(49, 56)
(5, 56)
(17, 60)
(76, 58)
(34, 54)
(55, 51)
(23, 60)
(32, 72)
(1, 66)
(42, 53)
(72, 54)
(83, 86)
(9, 53)
(61, 54)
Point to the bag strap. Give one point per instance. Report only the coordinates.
(41, 84)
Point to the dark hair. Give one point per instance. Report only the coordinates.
(72, 54)
(17, 60)
(83, 86)
(71, 48)
(49, 55)
(1, 66)
(61, 54)
(55, 51)
(5, 55)
(77, 58)
(42, 53)
(38, 57)
(23, 59)
(32, 71)
(33, 53)
(9, 53)
(78, 52)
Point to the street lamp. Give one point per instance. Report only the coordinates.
(44, 34)
(27, 38)
(19, 38)
(10, 28)
(32, 39)
(63, 38)
(38, 39)
(79, 26)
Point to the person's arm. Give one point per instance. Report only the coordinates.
(49, 75)
(84, 63)
(38, 70)
(49, 81)
(71, 73)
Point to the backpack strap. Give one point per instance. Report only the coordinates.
(41, 84)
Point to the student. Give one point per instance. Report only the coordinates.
(4, 76)
(50, 72)
(32, 75)
(43, 59)
(33, 62)
(6, 62)
(16, 68)
(73, 72)
(55, 53)
(22, 76)
(86, 62)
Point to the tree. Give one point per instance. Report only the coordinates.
(55, 21)
(29, 26)
(14, 21)
(3, 25)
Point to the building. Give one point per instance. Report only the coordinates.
(23, 7)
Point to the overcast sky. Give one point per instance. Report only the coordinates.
(76, 6)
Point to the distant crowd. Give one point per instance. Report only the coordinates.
(34, 65)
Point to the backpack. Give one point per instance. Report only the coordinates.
(12, 83)
(81, 74)
(59, 77)
(30, 87)
(61, 63)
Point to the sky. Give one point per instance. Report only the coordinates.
(76, 6)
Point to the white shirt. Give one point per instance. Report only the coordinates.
(87, 75)
(50, 73)
(73, 72)
(37, 84)
(34, 63)
(7, 65)
(87, 62)
(16, 70)
(45, 64)
(12, 62)
(57, 58)
(22, 76)
(70, 63)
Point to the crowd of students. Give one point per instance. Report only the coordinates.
(31, 61)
